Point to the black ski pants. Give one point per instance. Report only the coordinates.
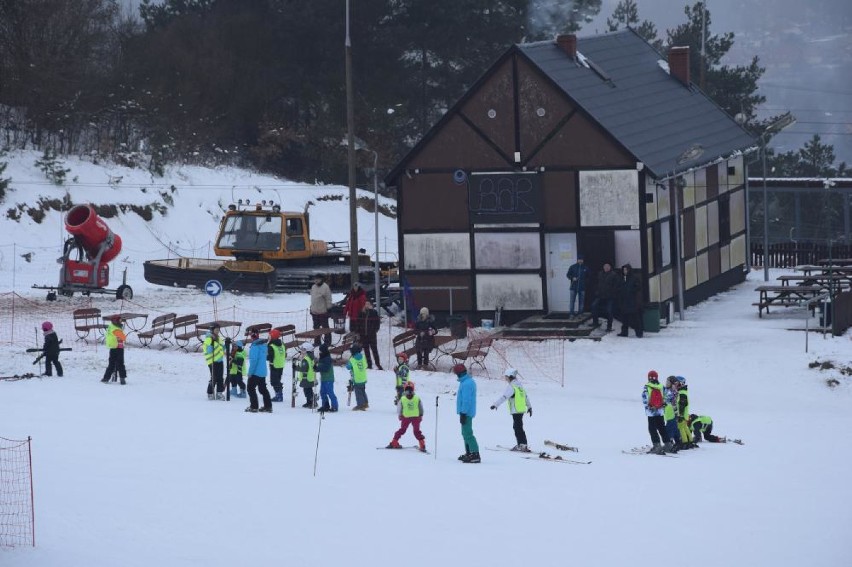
(320, 321)
(518, 426)
(235, 380)
(49, 362)
(255, 384)
(116, 363)
(217, 370)
(657, 429)
(371, 350)
(275, 379)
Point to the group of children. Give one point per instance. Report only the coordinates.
(671, 425)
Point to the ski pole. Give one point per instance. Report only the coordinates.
(436, 428)
(39, 358)
(227, 377)
(319, 430)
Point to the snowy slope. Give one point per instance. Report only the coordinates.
(153, 473)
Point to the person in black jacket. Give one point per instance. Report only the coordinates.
(425, 328)
(607, 290)
(370, 321)
(629, 301)
(50, 350)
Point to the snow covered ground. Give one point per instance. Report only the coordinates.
(152, 472)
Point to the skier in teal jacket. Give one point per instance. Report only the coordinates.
(466, 408)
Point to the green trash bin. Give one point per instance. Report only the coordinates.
(651, 317)
(458, 326)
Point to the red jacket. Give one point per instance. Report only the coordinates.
(355, 303)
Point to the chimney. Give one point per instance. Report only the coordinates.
(679, 63)
(568, 44)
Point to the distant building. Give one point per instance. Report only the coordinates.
(565, 147)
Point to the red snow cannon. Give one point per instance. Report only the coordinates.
(93, 234)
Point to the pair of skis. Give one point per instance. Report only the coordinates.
(542, 455)
(419, 450)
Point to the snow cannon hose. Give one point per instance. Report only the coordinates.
(93, 233)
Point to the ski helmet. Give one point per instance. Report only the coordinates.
(459, 369)
(307, 347)
(47, 326)
(402, 356)
(355, 348)
(409, 386)
(652, 375)
(681, 381)
(274, 334)
(116, 319)
(239, 344)
(510, 373)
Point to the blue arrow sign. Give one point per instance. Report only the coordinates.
(213, 287)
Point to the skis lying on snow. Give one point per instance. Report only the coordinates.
(646, 450)
(557, 459)
(737, 441)
(503, 448)
(560, 446)
(18, 377)
(419, 450)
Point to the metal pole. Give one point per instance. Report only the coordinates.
(765, 215)
(376, 274)
(436, 428)
(350, 128)
(319, 430)
(678, 253)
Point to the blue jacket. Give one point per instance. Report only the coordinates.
(257, 358)
(466, 396)
(577, 274)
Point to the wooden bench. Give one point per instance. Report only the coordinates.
(184, 329)
(474, 353)
(162, 326)
(259, 328)
(404, 343)
(288, 336)
(86, 321)
(337, 352)
(784, 296)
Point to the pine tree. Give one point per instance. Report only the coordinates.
(4, 182)
(626, 14)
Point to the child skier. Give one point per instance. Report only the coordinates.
(306, 374)
(670, 415)
(654, 402)
(237, 369)
(410, 412)
(114, 338)
(50, 350)
(683, 414)
(703, 425)
(401, 371)
(276, 354)
(518, 403)
(325, 367)
(357, 367)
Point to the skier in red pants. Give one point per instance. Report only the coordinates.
(410, 411)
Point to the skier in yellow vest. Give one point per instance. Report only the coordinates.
(519, 404)
(276, 354)
(357, 367)
(410, 412)
(306, 374)
(214, 356)
(115, 338)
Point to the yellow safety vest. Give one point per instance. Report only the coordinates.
(519, 398)
(359, 370)
(214, 354)
(310, 374)
(410, 406)
(279, 355)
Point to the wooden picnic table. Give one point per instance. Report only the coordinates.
(314, 333)
(132, 320)
(785, 295)
(229, 329)
(825, 280)
(835, 262)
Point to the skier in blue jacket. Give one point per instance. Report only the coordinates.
(257, 375)
(466, 408)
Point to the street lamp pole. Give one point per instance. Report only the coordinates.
(786, 119)
(350, 127)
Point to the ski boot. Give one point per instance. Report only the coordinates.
(209, 396)
(423, 445)
(265, 410)
(123, 382)
(279, 396)
(251, 410)
(463, 458)
(657, 449)
(472, 458)
(234, 392)
(670, 447)
(242, 394)
(394, 445)
(220, 396)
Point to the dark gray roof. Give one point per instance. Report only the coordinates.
(653, 114)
